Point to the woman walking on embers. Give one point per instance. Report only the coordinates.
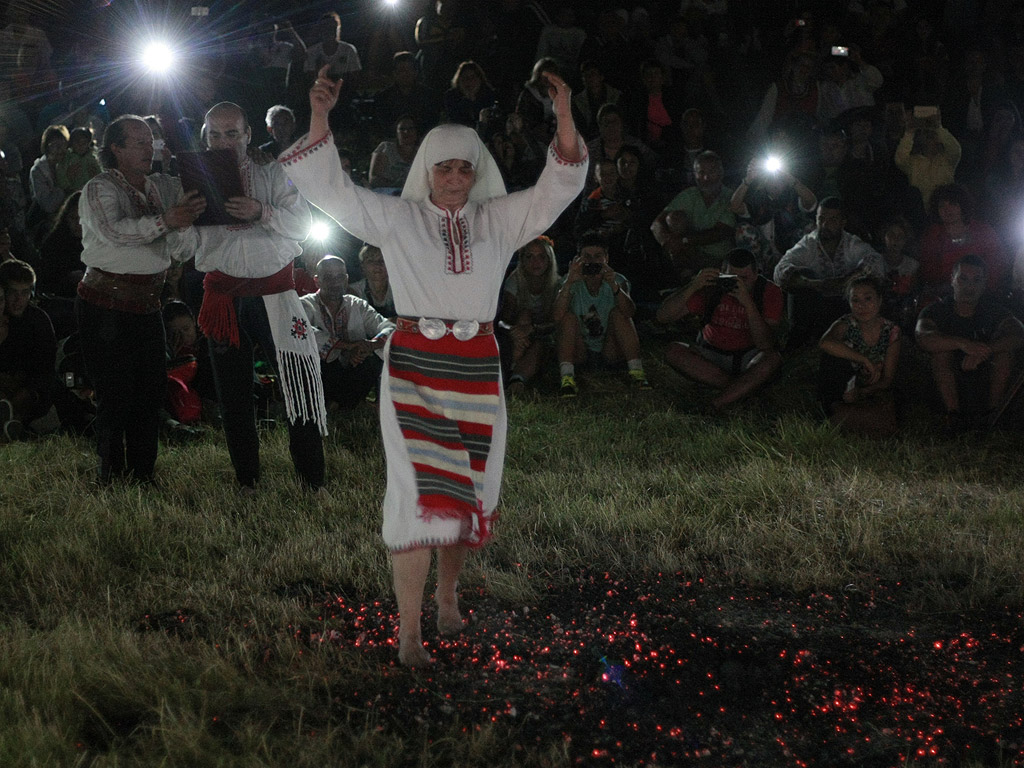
(446, 243)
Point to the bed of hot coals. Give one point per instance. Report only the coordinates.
(670, 671)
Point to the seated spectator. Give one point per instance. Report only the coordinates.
(928, 154)
(280, 122)
(827, 174)
(330, 50)
(690, 146)
(651, 112)
(562, 40)
(858, 365)
(972, 340)
(441, 36)
(816, 269)
(593, 316)
(1004, 194)
(710, 223)
(588, 101)
(33, 81)
(528, 297)
(80, 162)
(872, 186)
(17, 138)
(60, 262)
(601, 210)
(374, 288)
(28, 352)
(955, 232)
(849, 82)
(189, 371)
(534, 104)
(46, 193)
(776, 203)
(899, 301)
(304, 268)
(612, 137)
(469, 95)
(736, 349)
(864, 185)
(685, 52)
(405, 96)
(391, 160)
(13, 202)
(793, 99)
(271, 58)
(519, 156)
(163, 158)
(350, 335)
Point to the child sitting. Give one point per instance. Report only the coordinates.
(593, 315)
(80, 162)
(858, 366)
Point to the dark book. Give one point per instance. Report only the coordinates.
(215, 174)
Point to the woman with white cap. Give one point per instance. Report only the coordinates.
(446, 242)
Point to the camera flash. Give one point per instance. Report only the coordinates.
(773, 164)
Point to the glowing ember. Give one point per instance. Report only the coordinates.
(666, 671)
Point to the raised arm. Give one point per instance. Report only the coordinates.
(565, 133)
(322, 98)
(313, 165)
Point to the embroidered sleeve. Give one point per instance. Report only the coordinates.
(562, 160)
(316, 172)
(302, 149)
(115, 218)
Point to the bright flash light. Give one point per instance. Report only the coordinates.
(158, 58)
(773, 164)
(320, 230)
(390, 3)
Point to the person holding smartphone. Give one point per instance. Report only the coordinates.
(735, 351)
(593, 315)
(928, 154)
(849, 82)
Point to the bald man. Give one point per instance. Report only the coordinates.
(350, 335)
(249, 299)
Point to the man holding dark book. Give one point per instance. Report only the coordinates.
(249, 299)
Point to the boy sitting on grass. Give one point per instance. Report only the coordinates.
(593, 316)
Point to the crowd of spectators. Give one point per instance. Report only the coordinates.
(764, 177)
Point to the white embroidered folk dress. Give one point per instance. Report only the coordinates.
(440, 265)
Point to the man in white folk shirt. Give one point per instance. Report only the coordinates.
(350, 335)
(134, 223)
(249, 298)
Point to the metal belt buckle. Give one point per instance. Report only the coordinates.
(432, 328)
(464, 330)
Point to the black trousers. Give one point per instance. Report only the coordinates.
(834, 373)
(348, 386)
(235, 383)
(126, 360)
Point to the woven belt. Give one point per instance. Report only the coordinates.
(435, 329)
(137, 294)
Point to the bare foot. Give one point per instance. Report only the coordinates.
(449, 620)
(411, 653)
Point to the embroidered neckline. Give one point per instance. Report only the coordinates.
(455, 236)
(146, 203)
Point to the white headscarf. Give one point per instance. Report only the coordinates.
(453, 142)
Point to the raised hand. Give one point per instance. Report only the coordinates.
(322, 98)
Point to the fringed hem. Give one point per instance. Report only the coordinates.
(302, 388)
(473, 542)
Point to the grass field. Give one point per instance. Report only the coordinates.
(664, 588)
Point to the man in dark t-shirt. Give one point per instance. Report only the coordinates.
(972, 340)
